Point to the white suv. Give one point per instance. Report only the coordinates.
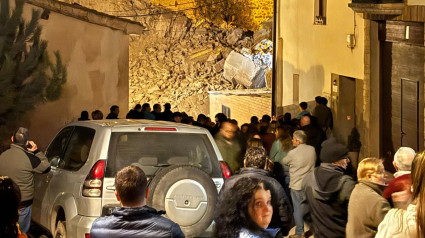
(182, 162)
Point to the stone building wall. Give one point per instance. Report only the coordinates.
(243, 104)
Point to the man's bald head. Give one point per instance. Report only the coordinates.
(305, 120)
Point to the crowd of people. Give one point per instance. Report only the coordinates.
(286, 172)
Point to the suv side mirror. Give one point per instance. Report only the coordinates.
(55, 161)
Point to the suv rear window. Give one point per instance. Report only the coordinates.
(153, 150)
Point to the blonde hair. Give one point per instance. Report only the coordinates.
(368, 166)
(418, 186)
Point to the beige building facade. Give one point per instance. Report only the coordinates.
(240, 105)
(367, 58)
(94, 48)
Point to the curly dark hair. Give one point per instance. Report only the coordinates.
(10, 197)
(255, 157)
(232, 211)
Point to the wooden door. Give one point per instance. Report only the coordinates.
(409, 135)
(344, 108)
(402, 78)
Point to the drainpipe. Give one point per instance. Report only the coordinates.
(274, 65)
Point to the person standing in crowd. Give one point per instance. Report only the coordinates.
(146, 112)
(229, 146)
(303, 110)
(115, 110)
(280, 148)
(177, 117)
(20, 162)
(157, 111)
(400, 223)
(167, 114)
(331, 123)
(10, 197)
(315, 136)
(254, 126)
(84, 116)
(286, 120)
(255, 166)
(322, 113)
(219, 119)
(266, 118)
(327, 191)
(200, 121)
(244, 136)
(135, 112)
(301, 161)
(267, 135)
(402, 179)
(134, 218)
(97, 115)
(246, 211)
(367, 207)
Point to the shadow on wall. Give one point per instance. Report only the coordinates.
(47, 119)
(299, 85)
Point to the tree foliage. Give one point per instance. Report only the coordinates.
(27, 75)
(245, 14)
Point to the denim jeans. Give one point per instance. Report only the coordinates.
(25, 218)
(297, 198)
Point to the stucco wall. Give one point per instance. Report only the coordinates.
(416, 2)
(316, 51)
(97, 62)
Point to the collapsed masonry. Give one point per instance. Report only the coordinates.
(177, 60)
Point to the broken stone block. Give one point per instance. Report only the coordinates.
(234, 36)
(240, 68)
(218, 67)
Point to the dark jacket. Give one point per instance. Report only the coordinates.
(167, 115)
(20, 165)
(112, 116)
(323, 115)
(282, 215)
(135, 222)
(327, 191)
(315, 137)
(231, 151)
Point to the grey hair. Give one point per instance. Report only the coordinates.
(300, 136)
(404, 157)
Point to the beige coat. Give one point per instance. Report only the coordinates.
(366, 209)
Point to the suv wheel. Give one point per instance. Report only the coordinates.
(60, 231)
(187, 194)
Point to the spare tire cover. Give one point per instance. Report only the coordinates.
(187, 194)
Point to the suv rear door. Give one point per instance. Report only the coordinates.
(152, 150)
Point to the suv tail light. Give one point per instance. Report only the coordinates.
(225, 169)
(94, 180)
(87, 235)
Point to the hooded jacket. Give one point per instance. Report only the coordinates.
(134, 222)
(327, 191)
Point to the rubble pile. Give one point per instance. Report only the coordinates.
(178, 60)
(182, 71)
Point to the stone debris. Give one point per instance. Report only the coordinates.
(177, 60)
